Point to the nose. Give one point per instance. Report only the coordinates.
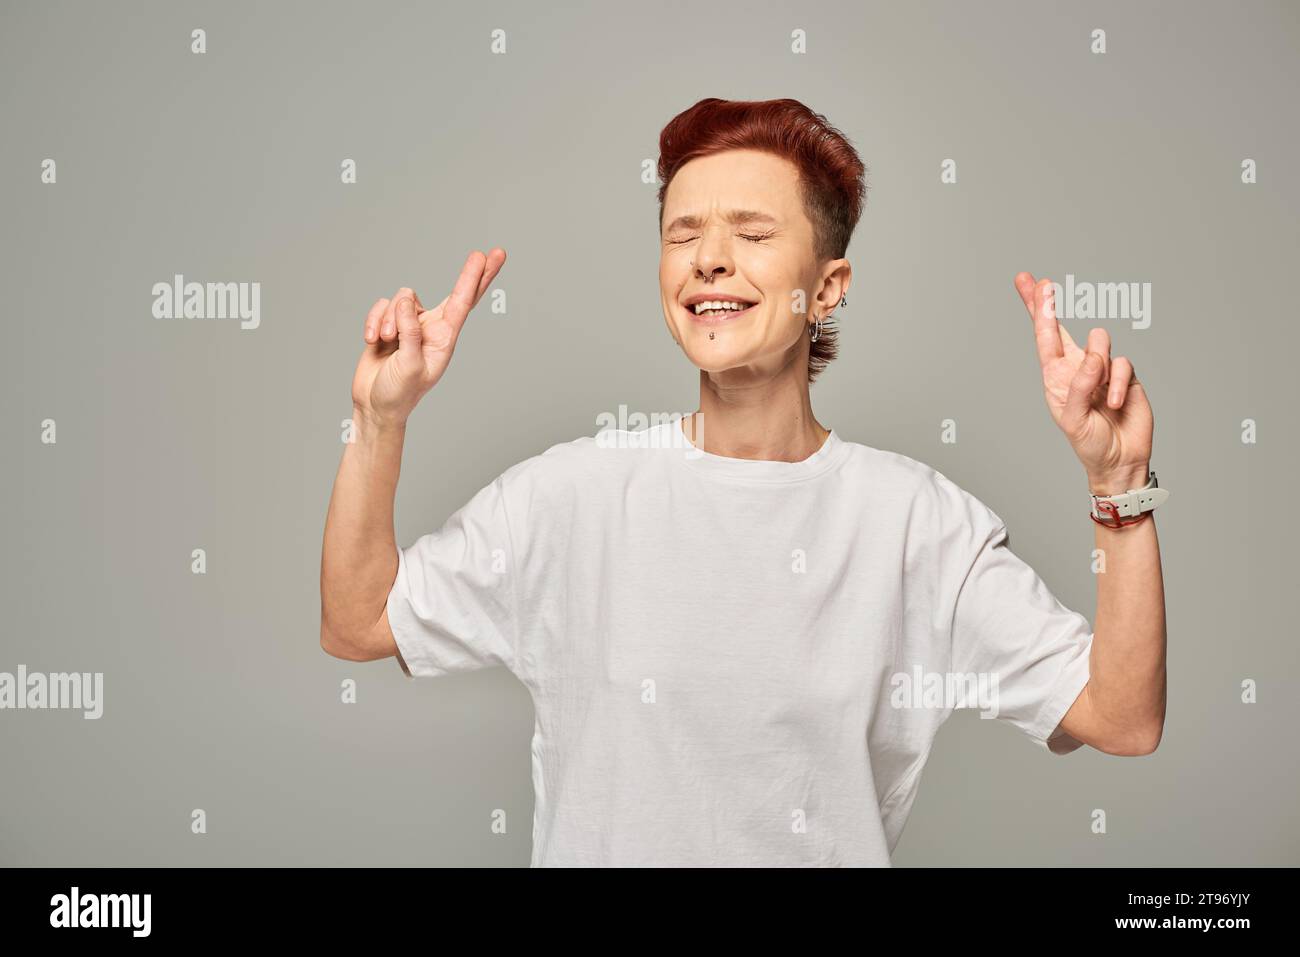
(712, 257)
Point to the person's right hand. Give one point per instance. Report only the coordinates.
(408, 347)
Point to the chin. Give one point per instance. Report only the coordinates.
(717, 354)
(737, 340)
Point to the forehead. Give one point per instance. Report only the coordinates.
(735, 180)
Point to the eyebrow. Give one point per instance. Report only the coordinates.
(734, 216)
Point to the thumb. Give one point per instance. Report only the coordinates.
(1078, 402)
(408, 328)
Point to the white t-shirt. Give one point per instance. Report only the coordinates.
(735, 662)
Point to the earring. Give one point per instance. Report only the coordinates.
(815, 330)
(844, 300)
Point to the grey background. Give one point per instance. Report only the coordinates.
(187, 434)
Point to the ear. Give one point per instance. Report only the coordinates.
(837, 276)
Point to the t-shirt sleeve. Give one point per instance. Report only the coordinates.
(1009, 630)
(452, 605)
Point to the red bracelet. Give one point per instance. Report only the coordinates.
(1109, 508)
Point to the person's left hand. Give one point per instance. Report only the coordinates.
(1098, 403)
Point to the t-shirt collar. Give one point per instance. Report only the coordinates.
(678, 444)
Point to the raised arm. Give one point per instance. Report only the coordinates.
(1103, 411)
(407, 350)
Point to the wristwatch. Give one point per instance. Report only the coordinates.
(1110, 509)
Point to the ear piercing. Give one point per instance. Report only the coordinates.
(815, 330)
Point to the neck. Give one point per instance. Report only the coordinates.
(770, 419)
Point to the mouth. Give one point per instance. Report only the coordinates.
(715, 312)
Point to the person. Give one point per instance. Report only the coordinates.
(740, 630)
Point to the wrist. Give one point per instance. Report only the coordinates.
(1120, 481)
(370, 424)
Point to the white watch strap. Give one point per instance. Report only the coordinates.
(1133, 502)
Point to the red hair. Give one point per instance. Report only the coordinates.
(831, 175)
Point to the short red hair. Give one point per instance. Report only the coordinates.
(832, 176)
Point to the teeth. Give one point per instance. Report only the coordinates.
(723, 304)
